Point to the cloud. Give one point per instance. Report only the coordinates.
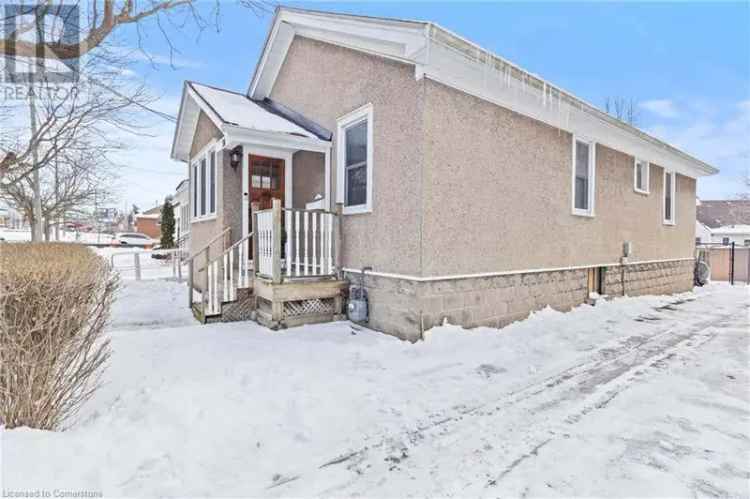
(719, 138)
(663, 108)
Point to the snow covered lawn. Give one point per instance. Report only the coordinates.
(638, 396)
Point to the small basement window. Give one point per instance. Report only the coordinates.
(725, 241)
(641, 176)
(669, 197)
(583, 177)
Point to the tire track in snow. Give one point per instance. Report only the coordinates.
(567, 382)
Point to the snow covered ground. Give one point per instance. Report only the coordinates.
(67, 236)
(634, 397)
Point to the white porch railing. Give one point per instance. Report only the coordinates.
(310, 243)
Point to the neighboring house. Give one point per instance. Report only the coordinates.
(181, 205)
(727, 221)
(149, 222)
(10, 217)
(702, 233)
(476, 191)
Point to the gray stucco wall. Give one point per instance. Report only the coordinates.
(308, 177)
(498, 196)
(463, 186)
(325, 82)
(202, 231)
(231, 206)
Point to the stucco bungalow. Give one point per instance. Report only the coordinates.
(475, 191)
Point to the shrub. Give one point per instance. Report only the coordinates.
(55, 300)
(167, 224)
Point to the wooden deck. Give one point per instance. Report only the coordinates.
(299, 283)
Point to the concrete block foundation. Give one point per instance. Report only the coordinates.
(407, 307)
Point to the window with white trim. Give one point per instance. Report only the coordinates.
(669, 197)
(194, 188)
(641, 176)
(725, 241)
(584, 172)
(203, 184)
(354, 160)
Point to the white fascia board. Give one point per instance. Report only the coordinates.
(235, 136)
(384, 39)
(190, 107)
(452, 69)
(175, 153)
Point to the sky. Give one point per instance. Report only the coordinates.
(687, 65)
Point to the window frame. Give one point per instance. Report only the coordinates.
(672, 197)
(647, 176)
(726, 241)
(591, 210)
(199, 189)
(343, 123)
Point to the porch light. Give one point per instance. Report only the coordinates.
(235, 157)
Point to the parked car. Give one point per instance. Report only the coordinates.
(132, 239)
(159, 256)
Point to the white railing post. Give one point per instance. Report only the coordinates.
(225, 274)
(246, 263)
(276, 235)
(216, 286)
(288, 230)
(330, 243)
(296, 242)
(137, 264)
(307, 247)
(314, 243)
(207, 291)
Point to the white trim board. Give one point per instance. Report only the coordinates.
(363, 113)
(508, 272)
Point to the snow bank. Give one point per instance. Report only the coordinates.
(238, 410)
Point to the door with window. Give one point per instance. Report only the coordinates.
(266, 182)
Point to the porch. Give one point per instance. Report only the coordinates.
(283, 273)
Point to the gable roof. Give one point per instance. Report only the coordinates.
(723, 213)
(236, 111)
(440, 55)
(156, 210)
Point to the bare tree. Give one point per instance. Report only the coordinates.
(623, 109)
(71, 126)
(102, 19)
(76, 181)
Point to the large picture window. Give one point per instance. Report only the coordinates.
(583, 177)
(354, 171)
(203, 184)
(669, 197)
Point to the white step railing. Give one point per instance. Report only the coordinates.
(227, 274)
(309, 243)
(213, 305)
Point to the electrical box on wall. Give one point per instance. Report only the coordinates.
(627, 248)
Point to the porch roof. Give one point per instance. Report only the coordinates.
(234, 113)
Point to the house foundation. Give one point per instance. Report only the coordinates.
(407, 307)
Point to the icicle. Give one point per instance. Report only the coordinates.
(544, 94)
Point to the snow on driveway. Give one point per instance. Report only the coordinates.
(633, 397)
